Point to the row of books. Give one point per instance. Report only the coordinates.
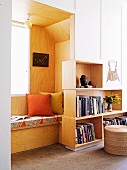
(121, 120)
(89, 105)
(84, 133)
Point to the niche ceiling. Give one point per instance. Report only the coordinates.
(40, 14)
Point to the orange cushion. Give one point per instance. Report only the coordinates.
(39, 105)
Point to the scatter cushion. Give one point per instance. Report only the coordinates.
(39, 105)
(56, 102)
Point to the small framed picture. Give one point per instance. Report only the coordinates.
(40, 59)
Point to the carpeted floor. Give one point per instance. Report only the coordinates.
(57, 157)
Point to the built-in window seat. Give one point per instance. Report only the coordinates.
(35, 132)
(30, 132)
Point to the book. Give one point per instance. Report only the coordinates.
(80, 107)
(122, 119)
(76, 137)
(77, 106)
(88, 108)
(99, 106)
(108, 121)
(91, 106)
(79, 137)
(85, 105)
(94, 105)
(103, 107)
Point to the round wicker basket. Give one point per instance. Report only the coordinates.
(115, 139)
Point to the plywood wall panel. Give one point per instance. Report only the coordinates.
(42, 78)
(82, 69)
(41, 14)
(60, 31)
(62, 53)
(116, 106)
(32, 138)
(18, 105)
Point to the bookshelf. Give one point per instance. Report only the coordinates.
(71, 73)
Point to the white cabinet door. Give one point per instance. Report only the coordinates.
(5, 83)
(111, 38)
(67, 5)
(124, 57)
(87, 30)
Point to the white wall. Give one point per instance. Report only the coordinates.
(124, 57)
(111, 38)
(67, 5)
(5, 63)
(87, 30)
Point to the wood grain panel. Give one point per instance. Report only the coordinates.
(69, 74)
(42, 78)
(96, 73)
(68, 132)
(60, 132)
(41, 14)
(18, 105)
(82, 69)
(93, 73)
(70, 103)
(31, 138)
(113, 115)
(90, 92)
(60, 31)
(62, 53)
(116, 106)
(98, 127)
(72, 37)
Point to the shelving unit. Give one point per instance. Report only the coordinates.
(71, 73)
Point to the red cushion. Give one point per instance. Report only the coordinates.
(39, 105)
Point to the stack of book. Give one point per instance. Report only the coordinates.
(84, 133)
(89, 105)
(121, 120)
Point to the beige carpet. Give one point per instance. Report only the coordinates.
(57, 157)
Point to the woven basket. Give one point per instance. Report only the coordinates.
(115, 139)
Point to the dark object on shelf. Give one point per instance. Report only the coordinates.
(90, 83)
(83, 81)
(109, 107)
(40, 59)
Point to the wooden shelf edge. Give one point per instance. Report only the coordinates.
(88, 117)
(85, 145)
(113, 112)
(89, 62)
(99, 89)
(101, 114)
(113, 88)
(83, 89)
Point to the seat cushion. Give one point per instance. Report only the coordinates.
(23, 122)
